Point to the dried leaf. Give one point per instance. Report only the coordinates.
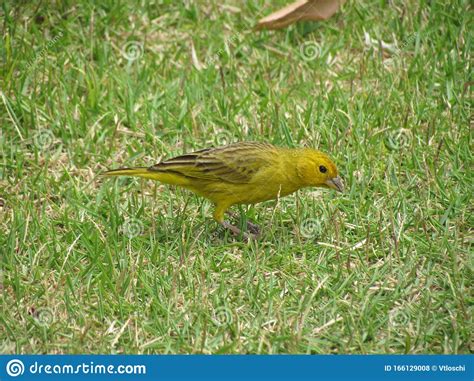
(194, 58)
(374, 43)
(301, 10)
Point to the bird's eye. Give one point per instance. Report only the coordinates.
(322, 169)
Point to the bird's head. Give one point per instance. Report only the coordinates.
(316, 169)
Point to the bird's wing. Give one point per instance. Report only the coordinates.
(236, 163)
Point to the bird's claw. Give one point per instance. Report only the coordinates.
(253, 228)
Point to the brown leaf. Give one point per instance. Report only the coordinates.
(307, 10)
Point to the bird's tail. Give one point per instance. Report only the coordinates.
(136, 172)
(164, 176)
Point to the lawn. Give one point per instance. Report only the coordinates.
(94, 265)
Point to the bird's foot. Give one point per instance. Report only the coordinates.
(254, 229)
(238, 232)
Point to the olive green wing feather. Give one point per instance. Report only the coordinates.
(235, 163)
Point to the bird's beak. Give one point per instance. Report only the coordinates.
(335, 183)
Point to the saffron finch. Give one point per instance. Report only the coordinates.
(242, 173)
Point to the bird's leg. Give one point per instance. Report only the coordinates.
(219, 212)
(251, 227)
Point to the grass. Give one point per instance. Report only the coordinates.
(131, 266)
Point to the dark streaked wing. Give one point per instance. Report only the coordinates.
(235, 163)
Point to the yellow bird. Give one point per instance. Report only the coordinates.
(242, 173)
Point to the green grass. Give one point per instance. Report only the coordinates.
(129, 266)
